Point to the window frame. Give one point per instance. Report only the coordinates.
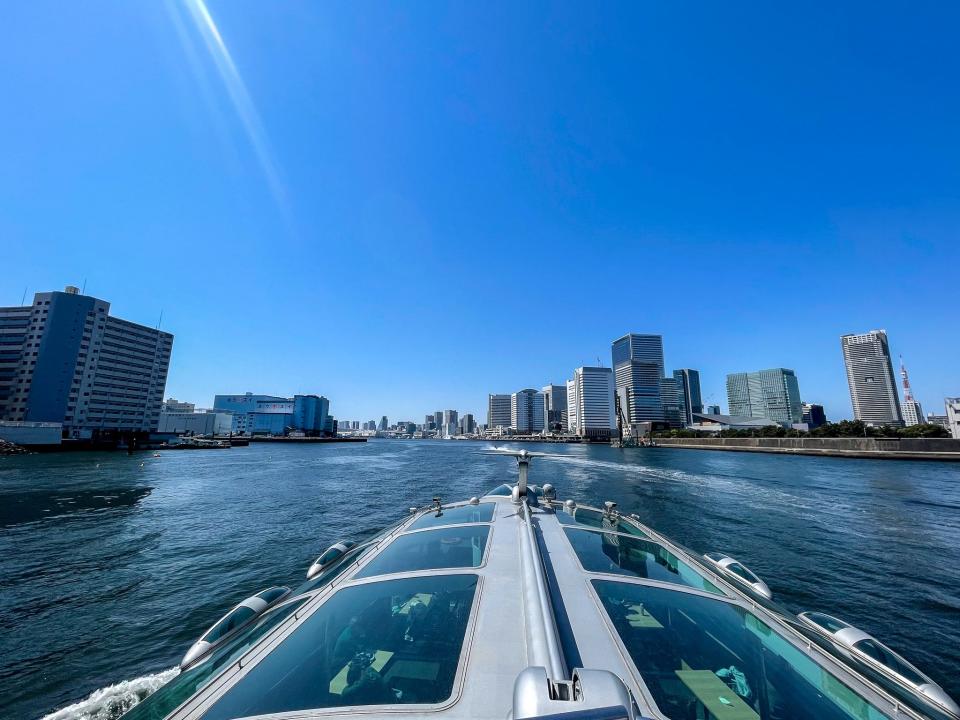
(198, 705)
(591, 574)
(427, 571)
(871, 693)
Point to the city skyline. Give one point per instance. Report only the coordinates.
(285, 235)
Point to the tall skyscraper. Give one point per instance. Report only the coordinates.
(555, 406)
(671, 397)
(912, 412)
(689, 382)
(65, 359)
(498, 411)
(572, 405)
(592, 395)
(467, 424)
(526, 411)
(873, 391)
(772, 394)
(383, 423)
(638, 370)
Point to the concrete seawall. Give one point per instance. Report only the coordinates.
(881, 448)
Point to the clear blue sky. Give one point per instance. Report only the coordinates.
(405, 206)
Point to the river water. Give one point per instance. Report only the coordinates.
(111, 564)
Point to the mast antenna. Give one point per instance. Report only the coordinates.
(907, 392)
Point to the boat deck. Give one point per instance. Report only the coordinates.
(508, 606)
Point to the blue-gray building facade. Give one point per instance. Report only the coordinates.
(273, 415)
(689, 383)
(638, 375)
(773, 394)
(65, 359)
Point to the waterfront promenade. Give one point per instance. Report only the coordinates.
(943, 449)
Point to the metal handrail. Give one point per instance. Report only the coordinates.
(543, 638)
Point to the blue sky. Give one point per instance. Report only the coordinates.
(406, 206)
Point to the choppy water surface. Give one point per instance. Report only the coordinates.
(111, 565)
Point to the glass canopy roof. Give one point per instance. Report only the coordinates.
(596, 519)
(452, 516)
(705, 657)
(383, 643)
(449, 547)
(623, 555)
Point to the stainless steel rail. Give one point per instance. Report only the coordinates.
(540, 627)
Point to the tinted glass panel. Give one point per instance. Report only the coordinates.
(175, 692)
(328, 574)
(886, 656)
(332, 553)
(392, 642)
(453, 547)
(231, 622)
(501, 491)
(453, 516)
(268, 596)
(597, 519)
(828, 623)
(741, 571)
(707, 658)
(621, 555)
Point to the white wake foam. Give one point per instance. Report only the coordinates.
(112, 701)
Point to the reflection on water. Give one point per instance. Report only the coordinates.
(111, 565)
(31, 506)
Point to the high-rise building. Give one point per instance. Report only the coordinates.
(712, 410)
(772, 394)
(873, 392)
(638, 370)
(526, 411)
(672, 399)
(383, 423)
(498, 411)
(65, 359)
(555, 406)
(428, 422)
(912, 412)
(450, 423)
(592, 394)
(572, 405)
(952, 406)
(438, 420)
(813, 415)
(467, 425)
(689, 382)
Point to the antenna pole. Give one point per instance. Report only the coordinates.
(24, 298)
